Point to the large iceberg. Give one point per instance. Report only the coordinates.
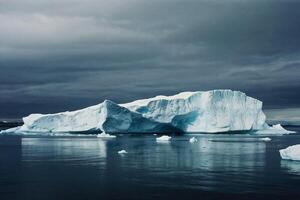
(208, 111)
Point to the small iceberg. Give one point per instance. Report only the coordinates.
(122, 152)
(163, 138)
(266, 139)
(105, 135)
(291, 153)
(280, 128)
(193, 140)
(275, 129)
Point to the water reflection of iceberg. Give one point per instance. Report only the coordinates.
(292, 167)
(80, 151)
(205, 154)
(206, 164)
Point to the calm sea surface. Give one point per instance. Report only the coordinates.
(216, 167)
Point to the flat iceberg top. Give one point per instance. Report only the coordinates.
(291, 153)
(182, 95)
(201, 111)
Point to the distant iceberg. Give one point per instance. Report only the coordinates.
(291, 153)
(122, 152)
(105, 135)
(208, 112)
(275, 129)
(164, 138)
(193, 140)
(266, 139)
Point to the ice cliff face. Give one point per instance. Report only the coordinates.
(209, 111)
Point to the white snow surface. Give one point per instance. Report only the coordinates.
(203, 111)
(291, 153)
(163, 138)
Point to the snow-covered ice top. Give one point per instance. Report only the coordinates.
(291, 153)
(203, 111)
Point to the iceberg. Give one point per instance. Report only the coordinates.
(163, 138)
(291, 153)
(105, 135)
(122, 152)
(192, 112)
(274, 129)
(279, 128)
(193, 140)
(266, 139)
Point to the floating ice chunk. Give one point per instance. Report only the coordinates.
(291, 153)
(193, 140)
(163, 138)
(105, 135)
(266, 139)
(280, 128)
(122, 152)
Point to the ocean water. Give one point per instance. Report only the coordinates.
(216, 167)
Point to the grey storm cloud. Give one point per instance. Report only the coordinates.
(59, 55)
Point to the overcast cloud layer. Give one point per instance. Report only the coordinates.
(60, 55)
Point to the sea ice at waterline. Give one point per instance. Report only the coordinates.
(202, 111)
(291, 153)
(105, 135)
(122, 152)
(275, 129)
(266, 139)
(193, 140)
(163, 138)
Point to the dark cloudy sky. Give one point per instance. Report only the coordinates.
(58, 55)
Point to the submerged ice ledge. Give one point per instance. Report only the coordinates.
(203, 111)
